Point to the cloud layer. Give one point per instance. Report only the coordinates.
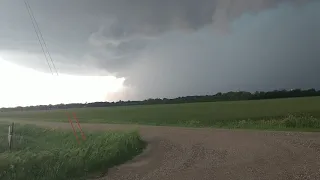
(173, 48)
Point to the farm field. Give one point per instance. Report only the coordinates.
(288, 113)
(47, 154)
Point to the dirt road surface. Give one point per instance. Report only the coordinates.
(208, 154)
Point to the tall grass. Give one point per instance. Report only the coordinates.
(47, 154)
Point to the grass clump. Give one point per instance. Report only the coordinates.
(300, 122)
(47, 154)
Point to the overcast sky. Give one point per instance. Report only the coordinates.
(169, 48)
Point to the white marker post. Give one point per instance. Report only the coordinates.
(10, 133)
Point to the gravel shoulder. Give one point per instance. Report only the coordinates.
(206, 154)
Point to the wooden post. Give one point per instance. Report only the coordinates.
(10, 133)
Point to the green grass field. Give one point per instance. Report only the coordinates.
(46, 154)
(269, 114)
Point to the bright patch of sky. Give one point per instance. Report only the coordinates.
(20, 86)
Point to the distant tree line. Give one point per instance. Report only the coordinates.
(228, 96)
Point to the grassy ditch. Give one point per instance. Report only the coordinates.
(47, 154)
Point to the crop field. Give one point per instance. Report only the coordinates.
(47, 154)
(265, 114)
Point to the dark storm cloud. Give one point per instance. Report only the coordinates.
(274, 49)
(172, 47)
(152, 17)
(67, 25)
(139, 23)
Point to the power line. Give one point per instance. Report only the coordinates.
(35, 30)
(43, 44)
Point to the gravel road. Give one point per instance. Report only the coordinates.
(206, 154)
